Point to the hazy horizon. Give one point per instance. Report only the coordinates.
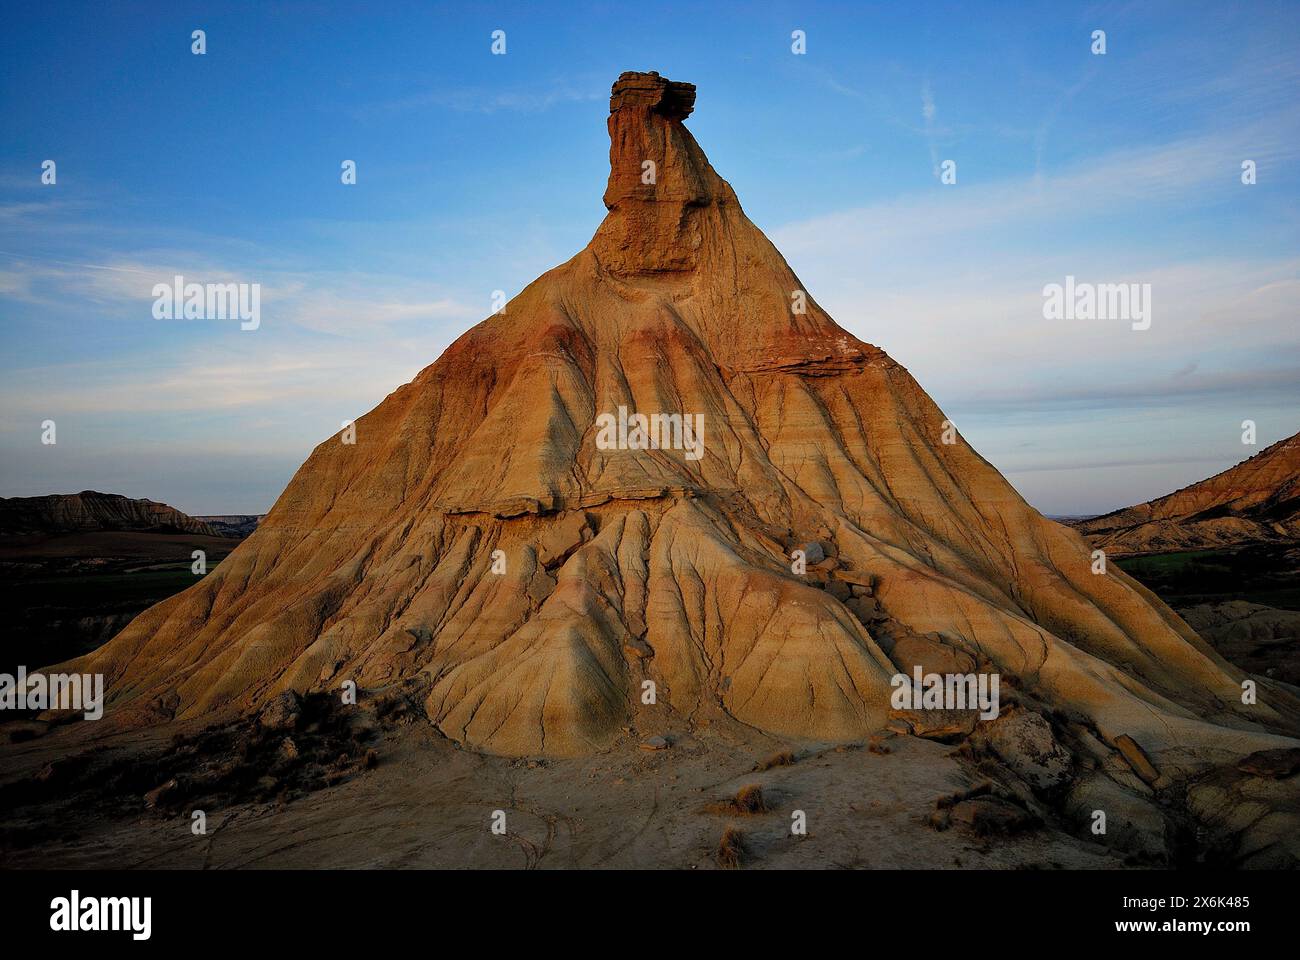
(477, 173)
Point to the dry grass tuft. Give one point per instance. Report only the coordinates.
(982, 789)
(747, 802)
(782, 758)
(731, 849)
(749, 799)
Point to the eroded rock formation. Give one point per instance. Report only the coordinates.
(381, 561)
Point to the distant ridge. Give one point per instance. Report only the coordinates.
(1257, 501)
(233, 524)
(90, 511)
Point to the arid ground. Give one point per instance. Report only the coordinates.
(427, 803)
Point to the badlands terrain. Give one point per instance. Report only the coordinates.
(642, 657)
(1224, 553)
(1257, 501)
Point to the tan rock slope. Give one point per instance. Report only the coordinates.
(627, 565)
(89, 511)
(1257, 501)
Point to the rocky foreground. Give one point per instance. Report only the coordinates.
(309, 782)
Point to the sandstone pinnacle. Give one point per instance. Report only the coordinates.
(476, 543)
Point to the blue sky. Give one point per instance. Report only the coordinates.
(479, 172)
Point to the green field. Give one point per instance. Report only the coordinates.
(81, 591)
(49, 616)
(1260, 574)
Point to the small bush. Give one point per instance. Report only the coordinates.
(747, 802)
(749, 799)
(731, 849)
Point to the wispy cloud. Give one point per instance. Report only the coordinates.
(470, 99)
(1121, 181)
(927, 116)
(950, 281)
(353, 304)
(244, 375)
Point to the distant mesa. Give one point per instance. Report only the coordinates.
(92, 511)
(233, 524)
